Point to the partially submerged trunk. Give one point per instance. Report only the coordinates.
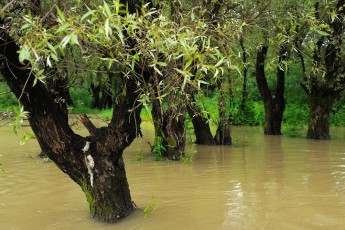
(201, 126)
(174, 131)
(170, 132)
(327, 81)
(159, 147)
(274, 104)
(94, 162)
(223, 133)
(320, 108)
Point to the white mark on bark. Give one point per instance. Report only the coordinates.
(90, 163)
(86, 147)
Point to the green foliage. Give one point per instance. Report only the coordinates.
(20, 116)
(296, 114)
(27, 136)
(2, 170)
(151, 207)
(8, 100)
(158, 150)
(292, 130)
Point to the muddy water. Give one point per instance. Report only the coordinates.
(260, 183)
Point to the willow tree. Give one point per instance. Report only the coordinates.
(29, 45)
(322, 34)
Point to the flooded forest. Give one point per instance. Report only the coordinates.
(172, 114)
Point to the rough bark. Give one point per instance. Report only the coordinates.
(223, 133)
(274, 104)
(94, 162)
(174, 132)
(201, 127)
(320, 108)
(245, 72)
(159, 148)
(170, 131)
(324, 90)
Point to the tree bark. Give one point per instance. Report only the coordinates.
(201, 127)
(328, 56)
(174, 131)
(320, 108)
(245, 72)
(223, 133)
(274, 105)
(94, 162)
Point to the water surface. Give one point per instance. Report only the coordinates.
(263, 182)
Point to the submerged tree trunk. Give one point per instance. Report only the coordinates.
(159, 148)
(94, 162)
(274, 104)
(223, 133)
(320, 108)
(175, 133)
(201, 127)
(170, 131)
(326, 80)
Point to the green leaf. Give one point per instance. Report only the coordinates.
(51, 47)
(107, 28)
(90, 12)
(65, 41)
(74, 39)
(219, 62)
(107, 9)
(61, 15)
(54, 56)
(24, 54)
(323, 33)
(62, 28)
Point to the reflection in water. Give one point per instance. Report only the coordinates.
(265, 182)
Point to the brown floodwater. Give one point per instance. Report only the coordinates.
(262, 182)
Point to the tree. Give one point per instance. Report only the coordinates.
(113, 35)
(326, 79)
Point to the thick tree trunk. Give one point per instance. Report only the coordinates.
(159, 148)
(94, 162)
(201, 127)
(174, 132)
(321, 104)
(170, 132)
(274, 105)
(223, 133)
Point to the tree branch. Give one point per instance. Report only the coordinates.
(88, 124)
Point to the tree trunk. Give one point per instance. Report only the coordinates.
(245, 72)
(174, 132)
(321, 103)
(223, 133)
(327, 56)
(95, 90)
(159, 148)
(94, 162)
(201, 127)
(274, 105)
